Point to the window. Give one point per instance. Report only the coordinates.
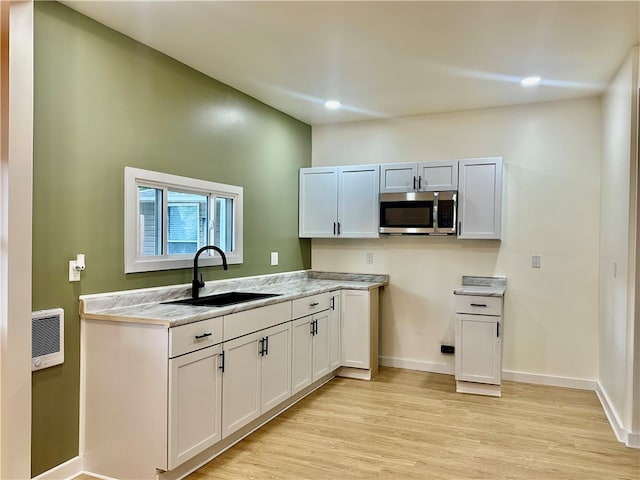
(168, 218)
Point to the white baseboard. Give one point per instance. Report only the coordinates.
(622, 434)
(419, 365)
(550, 380)
(67, 470)
(522, 377)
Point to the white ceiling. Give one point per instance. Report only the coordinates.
(387, 58)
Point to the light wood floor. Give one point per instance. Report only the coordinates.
(408, 425)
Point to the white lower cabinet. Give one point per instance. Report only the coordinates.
(316, 345)
(320, 345)
(153, 397)
(195, 386)
(478, 349)
(355, 329)
(301, 353)
(333, 330)
(257, 375)
(276, 366)
(478, 357)
(310, 350)
(241, 390)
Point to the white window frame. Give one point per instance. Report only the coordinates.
(135, 177)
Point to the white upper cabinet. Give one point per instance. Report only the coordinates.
(419, 177)
(438, 176)
(398, 177)
(480, 198)
(339, 202)
(318, 202)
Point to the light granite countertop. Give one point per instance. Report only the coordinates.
(146, 305)
(482, 286)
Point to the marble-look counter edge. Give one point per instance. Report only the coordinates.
(172, 315)
(482, 286)
(479, 291)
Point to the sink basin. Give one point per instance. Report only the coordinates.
(224, 299)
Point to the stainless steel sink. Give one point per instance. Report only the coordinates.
(224, 299)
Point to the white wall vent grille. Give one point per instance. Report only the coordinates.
(47, 338)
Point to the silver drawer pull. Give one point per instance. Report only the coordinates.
(314, 304)
(204, 335)
(478, 304)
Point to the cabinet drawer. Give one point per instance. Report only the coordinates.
(194, 336)
(301, 307)
(479, 305)
(249, 321)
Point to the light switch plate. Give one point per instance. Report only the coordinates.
(274, 258)
(369, 258)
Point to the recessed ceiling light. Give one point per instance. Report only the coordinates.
(332, 104)
(530, 81)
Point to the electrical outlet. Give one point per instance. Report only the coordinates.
(535, 261)
(447, 349)
(274, 258)
(369, 258)
(74, 273)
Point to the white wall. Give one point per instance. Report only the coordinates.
(617, 239)
(551, 198)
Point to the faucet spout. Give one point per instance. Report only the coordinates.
(197, 283)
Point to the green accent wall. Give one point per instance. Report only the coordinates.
(102, 102)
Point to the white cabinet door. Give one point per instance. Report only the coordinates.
(276, 366)
(480, 198)
(241, 382)
(478, 348)
(195, 389)
(320, 345)
(301, 357)
(423, 176)
(318, 205)
(334, 331)
(339, 202)
(438, 176)
(355, 334)
(358, 205)
(398, 177)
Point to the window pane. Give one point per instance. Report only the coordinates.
(224, 224)
(187, 222)
(150, 200)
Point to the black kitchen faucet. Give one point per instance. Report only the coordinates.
(197, 283)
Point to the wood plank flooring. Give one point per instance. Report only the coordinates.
(412, 425)
(409, 425)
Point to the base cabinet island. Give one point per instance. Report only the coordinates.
(165, 387)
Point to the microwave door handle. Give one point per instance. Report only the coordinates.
(455, 211)
(435, 212)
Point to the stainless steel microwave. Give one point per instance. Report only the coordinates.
(418, 213)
